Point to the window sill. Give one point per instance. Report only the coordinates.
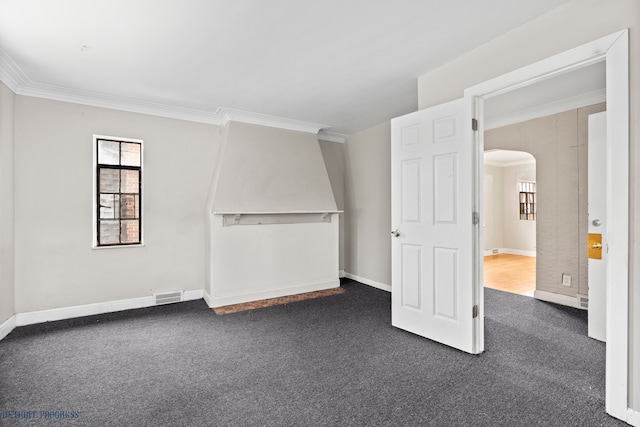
(139, 245)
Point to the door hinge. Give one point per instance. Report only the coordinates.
(476, 218)
(474, 124)
(475, 311)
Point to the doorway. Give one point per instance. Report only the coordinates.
(509, 221)
(614, 50)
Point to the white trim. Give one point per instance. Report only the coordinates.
(617, 301)
(633, 417)
(509, 164)
(15, 79)
(566, 104)
(369, 282)
(614, 49)
(7, 326)
(229, 114)
(518, 252)
(558, 299)
(10, 74)
(214, 301)
(41, 316)
(489, 252)
(192, 295)
(325, 135)
(33, 317)
(341, 274)
(207, 298)
(94, 207)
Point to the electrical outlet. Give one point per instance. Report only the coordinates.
(566, 279)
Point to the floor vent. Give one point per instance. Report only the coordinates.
(494, 251)
(167, 297)
(583, 301)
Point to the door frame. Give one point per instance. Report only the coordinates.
(614, 49)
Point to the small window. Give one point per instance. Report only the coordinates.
(527, 200)
(118, 196)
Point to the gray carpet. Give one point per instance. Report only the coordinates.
(330, 361)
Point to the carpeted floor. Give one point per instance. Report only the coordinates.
(333, 361)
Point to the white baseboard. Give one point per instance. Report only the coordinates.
(208, 299)
(192, 295)
(7, 326)
(369, 282)
(41, 316)
(558, 299)
(215, 301)
(633, 417)
(489, 252)
(341, 274)
(519, 252)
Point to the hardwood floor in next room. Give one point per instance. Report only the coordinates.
(510, 273)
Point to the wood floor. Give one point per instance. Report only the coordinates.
(510, 273)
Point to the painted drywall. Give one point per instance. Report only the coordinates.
(264, 169)
(259, 261)
(493, 207)
(333, 154)
(7, 218)
(519, 235)
(277, 172)
(570, 25)
(368, 204)
(503, 228)
(55, 263)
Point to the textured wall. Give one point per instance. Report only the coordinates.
(561, 185)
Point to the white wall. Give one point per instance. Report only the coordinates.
(503, 227)
(368, 204)
(493, 207)
(518, 234)
(7, 254)
(333, 153)
(265, 169)
(55, 264)
(570, 25)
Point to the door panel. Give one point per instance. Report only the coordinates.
(432, 241)
(597, 202)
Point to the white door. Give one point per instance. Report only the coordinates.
(597, 201)
(432, 225)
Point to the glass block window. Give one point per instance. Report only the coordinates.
(119, 190)
(527, 200)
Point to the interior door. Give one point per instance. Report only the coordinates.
(597, 228)
(433, 224)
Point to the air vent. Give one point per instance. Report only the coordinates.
(583, 301)
(494, 251)
(167, 297)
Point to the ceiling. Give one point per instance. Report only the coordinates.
(346, 65)
(504, 158)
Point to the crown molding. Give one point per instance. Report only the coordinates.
(230, 114)
(93, 99)
(20, 84)
(509, 164)
(566, 104)
(10, 74)
(332, 136)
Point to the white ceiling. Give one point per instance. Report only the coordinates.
(504, 158)
(345, 64)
